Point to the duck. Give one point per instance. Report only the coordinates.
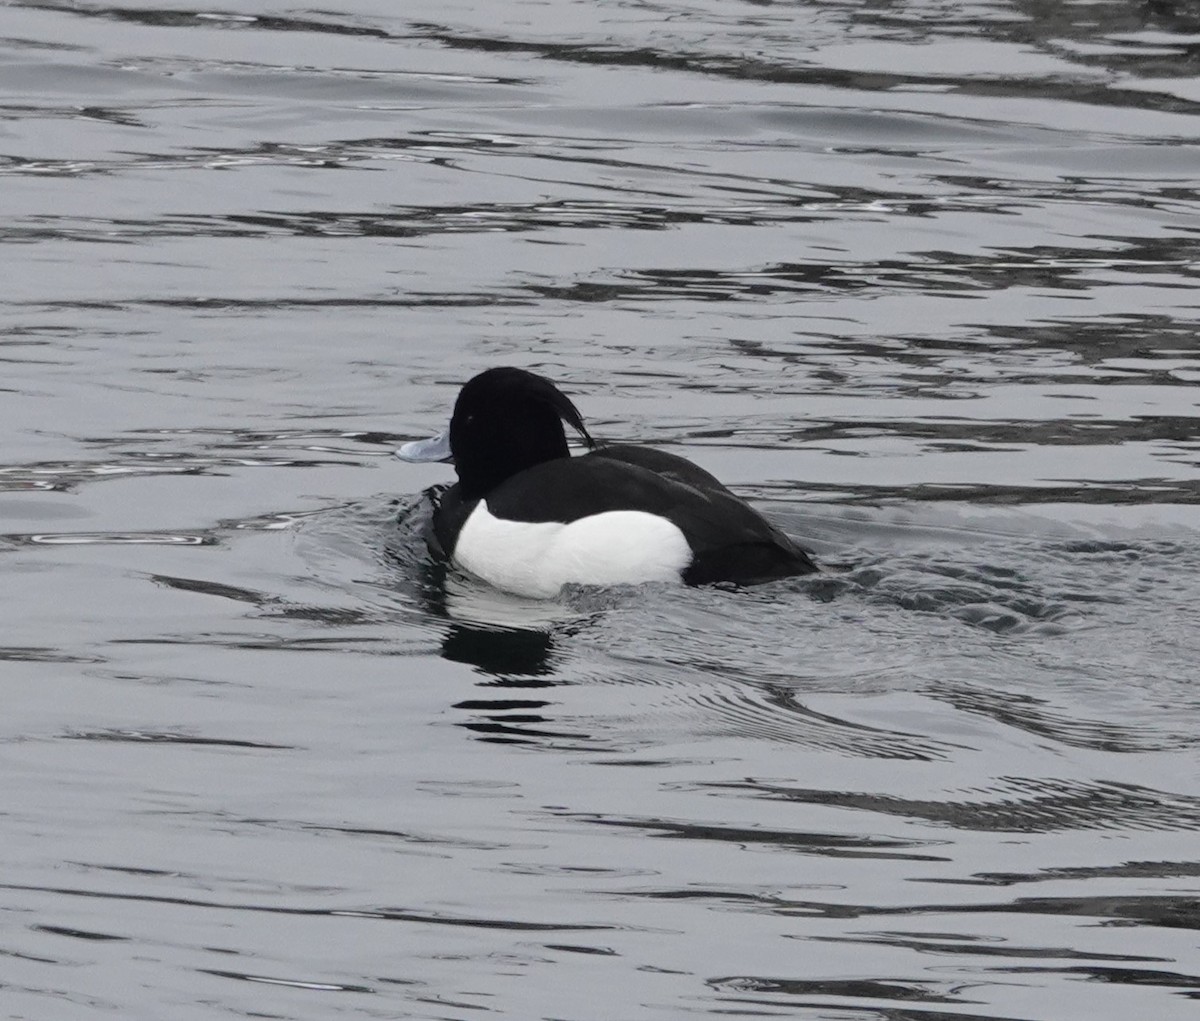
(528, 518)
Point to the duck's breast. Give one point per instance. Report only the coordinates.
(536, 558)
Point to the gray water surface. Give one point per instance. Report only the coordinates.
(917, 279)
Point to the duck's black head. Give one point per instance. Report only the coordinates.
(506, 420)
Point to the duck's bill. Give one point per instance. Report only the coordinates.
(436, 448)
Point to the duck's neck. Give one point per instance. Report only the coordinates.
(484, 458)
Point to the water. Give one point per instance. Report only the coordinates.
(918, 279)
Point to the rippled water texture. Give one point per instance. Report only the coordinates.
(917, 278)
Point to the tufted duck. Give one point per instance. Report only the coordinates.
(527, 517)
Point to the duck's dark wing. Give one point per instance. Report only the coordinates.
(730, 540)
(661, 463)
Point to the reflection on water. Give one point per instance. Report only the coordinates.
(917, 279)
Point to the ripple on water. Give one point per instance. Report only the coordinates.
(1019, 805)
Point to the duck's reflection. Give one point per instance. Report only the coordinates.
(511, 642)
(513, 659)
(516, 657)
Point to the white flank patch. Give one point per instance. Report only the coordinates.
(538, 558)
